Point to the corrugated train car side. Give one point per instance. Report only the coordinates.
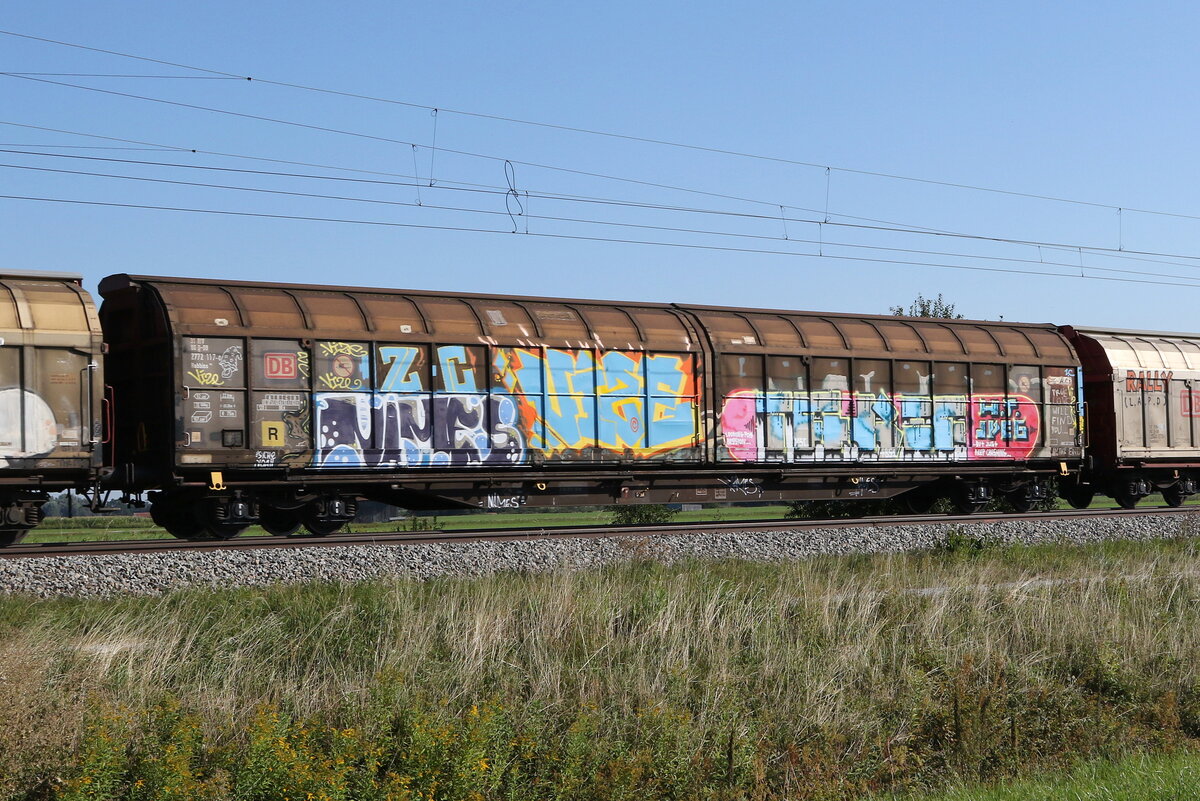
(1143, 416)
(284, 404)
(872, 406)
(51, 392)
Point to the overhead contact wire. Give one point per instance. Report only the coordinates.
(578, 237)
(607, 134)
(483, 189)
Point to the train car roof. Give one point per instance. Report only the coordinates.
(1129, 332)
(1128, 349)
(120, 281)
(212, 308)
(46, 308)
(52, 274)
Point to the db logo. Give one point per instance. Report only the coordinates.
(279, 365)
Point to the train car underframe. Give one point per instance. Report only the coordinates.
(221, 505)
(1128, 484)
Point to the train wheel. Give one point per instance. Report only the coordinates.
(278, 522)
(968, 507)
(11, 536)
(225, 518)
(1126, 500)
(968, 499)
(1079, 497)
(327, 515)
(1019, 501)
(1174, 495)
(920, 501)
(223, 531)
(322, 528)
(180, 520)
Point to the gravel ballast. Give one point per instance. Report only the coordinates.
(157, 573)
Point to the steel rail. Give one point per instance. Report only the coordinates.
(46, 549)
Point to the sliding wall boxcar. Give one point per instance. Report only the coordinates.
(51, 387)
(834, 389)
(385, 385)
(1143, 392)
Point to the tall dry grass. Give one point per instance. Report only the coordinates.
(822, 678)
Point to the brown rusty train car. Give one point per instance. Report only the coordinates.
(50, 394)
(284, 404)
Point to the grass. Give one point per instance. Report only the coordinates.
(109, 528)
(1172, 777)
(126, 527)
(832, 678)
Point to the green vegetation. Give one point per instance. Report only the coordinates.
(642, 513)
(831, 678)
(1138, 778)
(105, 528)
(926, 307)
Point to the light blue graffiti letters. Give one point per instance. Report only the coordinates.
(399, 369)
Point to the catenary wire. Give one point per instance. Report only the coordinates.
(119, 75)
(902, 227)
(578, 237)
(391, 140)
(86, 147)
(610, 134)
(928, 231)
(1059, 246)
(588, 221)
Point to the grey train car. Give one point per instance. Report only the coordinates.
(1143, 414)
(51, 394)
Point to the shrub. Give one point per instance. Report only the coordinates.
(642, 514)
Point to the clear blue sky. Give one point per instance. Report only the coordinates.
(1094, 102)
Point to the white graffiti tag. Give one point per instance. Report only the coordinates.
(229, 360)
(746, 486)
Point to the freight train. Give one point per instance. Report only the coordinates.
(239, 403)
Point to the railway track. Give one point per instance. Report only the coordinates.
(46, 549)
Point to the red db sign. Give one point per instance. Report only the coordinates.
(279, 365)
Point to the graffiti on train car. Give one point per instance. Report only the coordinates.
(356, 429)
(555, 403)
(825, 424)
(641, 405)
(213, 362)
(343, 366)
